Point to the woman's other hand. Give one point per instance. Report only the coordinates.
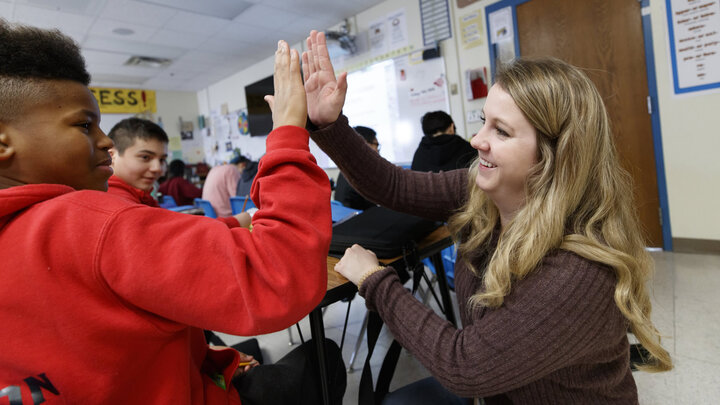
(325, 93)
(356, 262)
(288, 105)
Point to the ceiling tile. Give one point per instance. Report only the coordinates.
(195, 23)
(108, 58)
(44, 18)
(138, 13)
(80, 7)
(260, 12)
(6, 11)
(225, 9)
(135, 48)
(177, 39)
(104, 27)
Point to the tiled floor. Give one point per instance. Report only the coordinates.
(686, 303)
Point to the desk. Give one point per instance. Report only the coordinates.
(338, 287)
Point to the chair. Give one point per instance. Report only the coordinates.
(341, 212)
(241, 204)
(167, 201)
(206, 207)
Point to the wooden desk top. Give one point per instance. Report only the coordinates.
(336, 279)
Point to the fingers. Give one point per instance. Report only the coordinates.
(305, 67)
(323, 54)
(271, 101)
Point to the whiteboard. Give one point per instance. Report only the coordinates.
(390, 97)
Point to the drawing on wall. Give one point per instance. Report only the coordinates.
(186, 135)
(243, 123)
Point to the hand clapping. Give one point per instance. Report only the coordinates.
(288, 105)
(325, 93)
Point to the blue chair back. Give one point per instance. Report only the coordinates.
(206, 207)
(167, 201)
(341, 212)
(237, 203)
(448, 256)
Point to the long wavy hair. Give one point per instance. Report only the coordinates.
(578, 199)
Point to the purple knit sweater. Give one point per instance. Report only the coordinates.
(558, 338)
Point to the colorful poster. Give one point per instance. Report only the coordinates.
(124, 101)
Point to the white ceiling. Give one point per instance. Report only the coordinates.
(207, 40)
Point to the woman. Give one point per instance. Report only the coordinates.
(552, 268)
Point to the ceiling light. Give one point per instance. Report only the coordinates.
(148, 61)
(123, 31)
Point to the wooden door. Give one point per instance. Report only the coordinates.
(605, 39)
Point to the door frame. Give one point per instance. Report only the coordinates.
(653, 103)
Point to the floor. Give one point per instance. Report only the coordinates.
(686, 304)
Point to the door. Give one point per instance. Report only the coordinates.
(605, 39)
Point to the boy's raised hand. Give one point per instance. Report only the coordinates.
(325, 93)
(288, 105)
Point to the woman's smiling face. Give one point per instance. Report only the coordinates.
(507, 147)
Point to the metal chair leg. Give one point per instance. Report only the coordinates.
(358, 343)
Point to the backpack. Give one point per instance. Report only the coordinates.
(385, 232)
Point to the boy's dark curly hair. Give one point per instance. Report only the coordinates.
(34, 53)
(29, 55)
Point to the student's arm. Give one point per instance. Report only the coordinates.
(195, 271)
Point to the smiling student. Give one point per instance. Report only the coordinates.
(104, 300)
(551, 272)
(139, 159)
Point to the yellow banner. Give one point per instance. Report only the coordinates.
(124, 101)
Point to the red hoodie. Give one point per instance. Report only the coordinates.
(120, 188)
(103, 300)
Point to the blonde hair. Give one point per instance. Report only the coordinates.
(579, 199)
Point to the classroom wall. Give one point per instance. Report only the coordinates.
(171, 105)
(689, 124)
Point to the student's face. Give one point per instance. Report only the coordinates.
(507, 146)
(58, 140)
(142, 163)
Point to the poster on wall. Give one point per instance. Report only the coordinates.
(471, 30)
(694, 39)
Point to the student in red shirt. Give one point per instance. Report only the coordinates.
(177, 187)
(105, 299)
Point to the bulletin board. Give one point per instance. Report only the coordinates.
(390, 97)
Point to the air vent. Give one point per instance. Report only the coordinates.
(148, 61)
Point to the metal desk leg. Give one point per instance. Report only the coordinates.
(317, 328)
(444, 288)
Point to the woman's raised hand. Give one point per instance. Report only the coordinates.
(325, 93)
(288, 105)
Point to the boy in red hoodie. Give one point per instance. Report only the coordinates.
(103, 299)
(139, 159)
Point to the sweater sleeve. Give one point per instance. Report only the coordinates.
(550, 320)
(190, 270)
(430, 195)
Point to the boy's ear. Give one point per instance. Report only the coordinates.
(6, 148)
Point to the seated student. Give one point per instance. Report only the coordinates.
(177, 187)
(440, 148)
(552, 268)
(139, 158)
(247, 175)
(104, 300)
(221, 184)
(343, 190)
